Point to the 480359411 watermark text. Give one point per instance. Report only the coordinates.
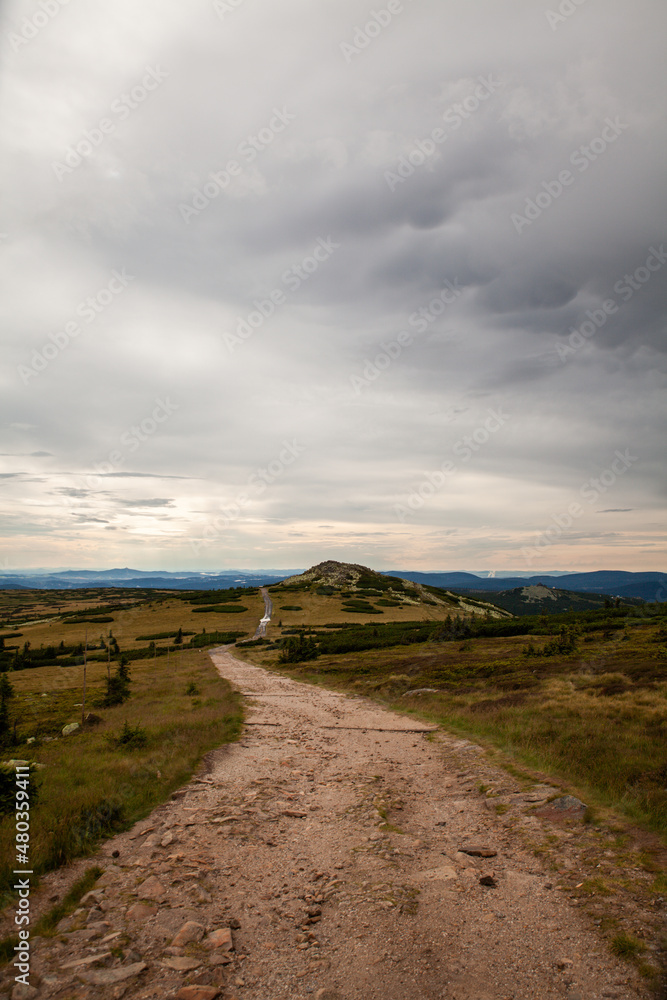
(22, 885)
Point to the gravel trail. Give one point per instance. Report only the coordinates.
(324, 856)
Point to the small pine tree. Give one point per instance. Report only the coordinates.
(118, 685)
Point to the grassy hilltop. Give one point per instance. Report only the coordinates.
(346, 593)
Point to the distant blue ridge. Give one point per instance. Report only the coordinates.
(616, 583)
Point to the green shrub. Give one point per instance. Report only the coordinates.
(163, 635)
(86, 621)
(296, 649)
(129, 738)
(220, 609)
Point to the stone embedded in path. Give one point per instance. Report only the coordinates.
(476, 851)
(181, 963)
(561, 810)
(141, 911)
(198, 993)
(88, 960)
(220, 938)
(190, 931)
(488, 880)
(151, 888)
(97, 927)
(219, 958)
(92, 897)
(107, 977)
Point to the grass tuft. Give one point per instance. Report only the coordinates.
(626, 945)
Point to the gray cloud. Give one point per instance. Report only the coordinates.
(151, 502)
(226, 337)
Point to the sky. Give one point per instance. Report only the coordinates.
(288, 282)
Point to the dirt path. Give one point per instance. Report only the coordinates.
(286, 842)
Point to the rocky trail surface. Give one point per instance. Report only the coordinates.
(339, 851)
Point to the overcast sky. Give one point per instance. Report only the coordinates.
(375, 282)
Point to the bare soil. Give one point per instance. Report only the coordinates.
(332, 841)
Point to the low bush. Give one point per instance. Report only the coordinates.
(163, 635)
(220, 609)
(132, 737)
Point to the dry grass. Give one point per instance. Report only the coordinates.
(160, 615)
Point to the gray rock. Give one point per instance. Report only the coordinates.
(182, 963)
(107, 977)
(92, 897)
(568, 803)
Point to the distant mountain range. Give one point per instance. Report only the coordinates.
(615, 583)
(75, 579)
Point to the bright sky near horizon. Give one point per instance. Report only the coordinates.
(374, 282)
